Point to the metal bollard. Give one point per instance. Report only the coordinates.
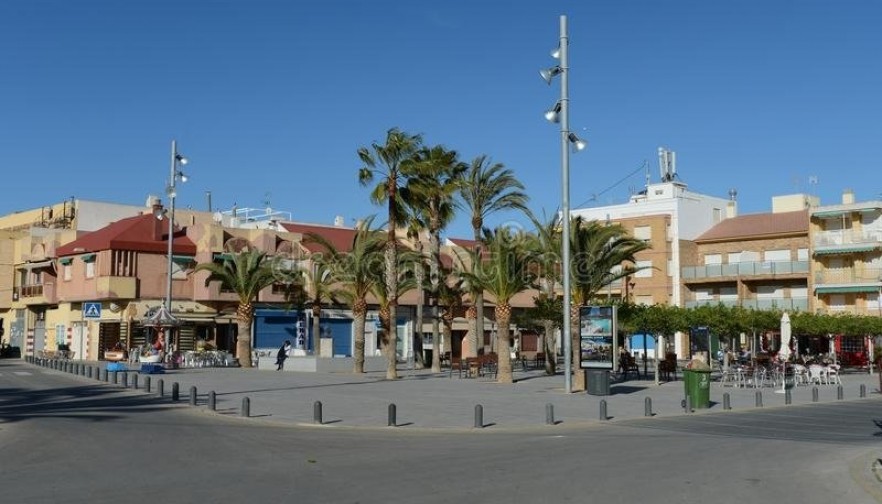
(176, 391)
(317, 413)
(246, 407)
(549, 414)
(212, 401)
(759, 399)
(160, 387)
(727, 402)
(479, 416)
(135, 381)
(147, 384)
(105, 376)
(647, 407)
(193, 396)
(125, 380)
(603, 416)
(863, 392)
(97, 373)
(840, 393)
(392, 420)
(89, 371)
(814, 394)
(787, 397)
(115, 378)
(687, 404)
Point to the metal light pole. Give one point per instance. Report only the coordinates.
(174, 174)
(561, 113)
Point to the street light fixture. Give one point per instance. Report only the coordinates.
(177, 159)
(560, 113)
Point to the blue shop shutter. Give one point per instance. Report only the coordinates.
(273, 327)
(341, 334)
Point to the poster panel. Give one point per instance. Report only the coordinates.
(597, 337)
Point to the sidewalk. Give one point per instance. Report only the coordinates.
(431, 400)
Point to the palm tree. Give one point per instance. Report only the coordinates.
(487, 188)
(437, 175)
(318, 292)
(546, 246)
(245, 273)
(352, 274)
(405, 281)
(386, 161)
(600, 255)
(415, 227)
(506, 273)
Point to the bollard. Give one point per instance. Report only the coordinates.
(863, 392)
(814, 394)
(246, 407)
(479, 416)
(647, 407)
(687, 404)
(105, 377)
(392, 420)
(135, 381)
(176, 391)
(549, 414)
(759, 399)
(787, 397)
(89, 371)
(160, 387)
(115, 378)
(212, 401)
(317, 413)
(193, 396)
(603, 416)
(97, 373)
(147, 384)
(727, 404)
(125, 380)
(839, 393)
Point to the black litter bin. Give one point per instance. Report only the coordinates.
(597, 381)
(696, 380)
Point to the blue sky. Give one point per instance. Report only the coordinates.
(271, 99)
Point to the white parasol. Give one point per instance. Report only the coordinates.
(784, 351)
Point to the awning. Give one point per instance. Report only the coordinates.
(36, 265)
(847, 249)
(181, 259)
(844, 289)
(839, 213)
(65, 260)
(88, 257)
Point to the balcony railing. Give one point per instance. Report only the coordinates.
(848, 237)
(26, 293)
(790, 304)
(849, 276)
(756, 268)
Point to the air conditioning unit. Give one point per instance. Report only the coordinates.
(15, 296)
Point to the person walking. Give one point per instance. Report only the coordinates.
(282, 355)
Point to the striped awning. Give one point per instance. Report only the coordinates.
(847, 249)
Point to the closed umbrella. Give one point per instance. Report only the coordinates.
(784, 351)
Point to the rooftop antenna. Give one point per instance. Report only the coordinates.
(813, 183)
(733, 193)
(667, 164)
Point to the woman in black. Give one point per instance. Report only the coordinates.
(282, 355)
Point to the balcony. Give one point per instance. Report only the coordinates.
(847, 241)
(744, 269)
(789, 304)
(35, 294)
(116, 287)
(849, 276)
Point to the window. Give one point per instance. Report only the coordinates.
(90, 269)
(643, 233)
(770, 292)
(799, 292)
(836, 302)
(718, 215)
(734, 258)
(644, 269)
(67, 271)
(802, 254)
(643, 300)
(713, 259)
(670, 267)
(703, 294)
(776, 255)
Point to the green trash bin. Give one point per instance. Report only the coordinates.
(696, 379)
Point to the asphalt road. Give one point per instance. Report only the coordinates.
(64, 439)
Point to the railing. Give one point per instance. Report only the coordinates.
(848, 237)
(849, 275)
(754, 268)
(851, 310)
(791, 304)
(26, 291)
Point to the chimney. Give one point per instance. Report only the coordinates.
(339, 221)
(159, 222)
(731, 209)
(847, 197)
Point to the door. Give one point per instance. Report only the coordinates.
(78, 340)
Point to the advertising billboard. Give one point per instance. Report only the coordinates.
(598, 344)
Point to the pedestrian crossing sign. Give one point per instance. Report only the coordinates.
(92, 310)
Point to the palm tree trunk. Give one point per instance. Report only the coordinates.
(316, 329)
(392, 330)
(436, 339)
(434, 274)
(421, 295)
(578, 374)
(359, 312)
(549, 348)
(471, 336)
(503, 345)
(244, 317)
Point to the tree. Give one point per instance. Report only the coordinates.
(245, 273)
(404, 282)
(385, 160)
(506, 273)
(600, 255)
(353, 274)
(546, 245)
(487, 188)
(318, 292)
(437, 174)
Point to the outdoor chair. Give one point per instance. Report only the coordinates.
(833, 374)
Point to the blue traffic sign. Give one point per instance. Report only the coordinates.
(92, 310)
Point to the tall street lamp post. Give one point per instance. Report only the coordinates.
(560, 113)
(177, 160)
